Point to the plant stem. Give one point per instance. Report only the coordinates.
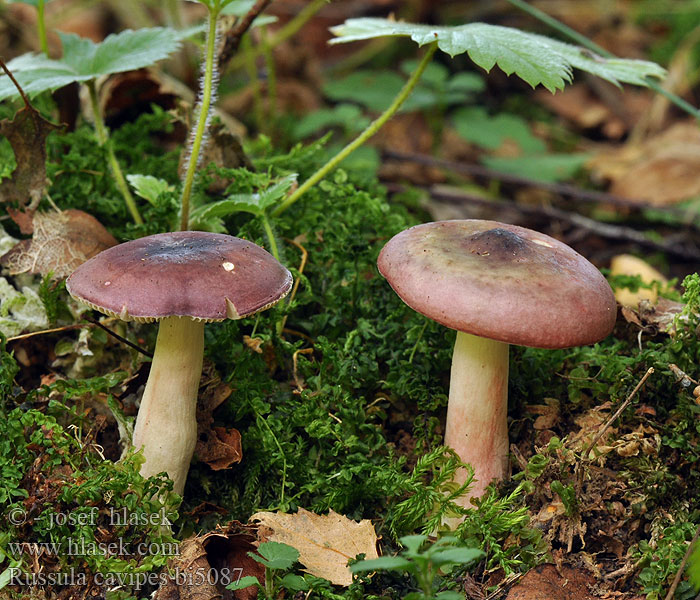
(103, 139)
(593, 47)
(271, 80)
(372, 128)
(270, 236)
(202, 121)
(285, 32)
(41, 25)
(249, 55)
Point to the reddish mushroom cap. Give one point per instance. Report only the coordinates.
(500, 281)
(205, 276)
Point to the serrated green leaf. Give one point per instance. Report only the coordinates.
(149, 187)
(84, 60)
(275, 555)
(255, 204)
(383, 563)
(534, 58)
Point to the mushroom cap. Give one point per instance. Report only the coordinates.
(204, 276)
(500, 281)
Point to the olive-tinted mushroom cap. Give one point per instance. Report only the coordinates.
(500, 281)
(205, 276)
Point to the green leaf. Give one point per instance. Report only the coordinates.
(275, 555)
(255, 204)
(412, 543)
(449, 596)
(240, 8)
(548, 168)
(244, 582)
(475, 125)
(459, 556)
(84, 60)
(534, 58)
(149, 187)
(295, 583)
(383, 563)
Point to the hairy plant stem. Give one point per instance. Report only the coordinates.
(103, 139)
(202, 121)
(372, 128)
(41, 26)
(593, 47)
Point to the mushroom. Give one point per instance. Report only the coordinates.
(182, 280)
(496, 284)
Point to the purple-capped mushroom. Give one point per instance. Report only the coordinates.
(183, 280)
(496, 284)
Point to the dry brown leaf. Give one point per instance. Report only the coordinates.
(27, 134)
(660, 171)
(548, 414)
(206, 564)
(219, 447)
(325, 542)
(62, 241)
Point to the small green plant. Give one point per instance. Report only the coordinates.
(276, 558)
(425, 564)
(83, 61)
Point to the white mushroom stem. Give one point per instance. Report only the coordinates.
(166, 426)
(476, 427)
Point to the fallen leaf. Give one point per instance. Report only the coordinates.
(206, 564)
(548, 414)
(27, 134)
(218, 447)
(61, 242)
(325, 542)
(660, 171)
(626, 264)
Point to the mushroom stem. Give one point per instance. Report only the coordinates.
(477, 427)
(166, 426)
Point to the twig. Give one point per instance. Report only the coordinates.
(17, 85)
(120, 338)
(232, 38)
(618, 412)
(90, 323)
(606, 230)
(681, 568)
(563, 189)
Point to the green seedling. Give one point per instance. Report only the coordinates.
(276, 558)
(40, 22)
(84, 62)
(534, 58)
(424, 563)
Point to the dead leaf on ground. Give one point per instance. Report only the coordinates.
(206, 564)
(27, 134)
(548, 413)
(655, 318)
(218, 447)
(325, 542)
(660, 171)
(546, 582)
(62, 241)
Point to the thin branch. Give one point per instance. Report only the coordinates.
(618, 412)
(616, 232)
(17, 85)
(123, 340)
(232, 38)
(563, 189)
(681, 568)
